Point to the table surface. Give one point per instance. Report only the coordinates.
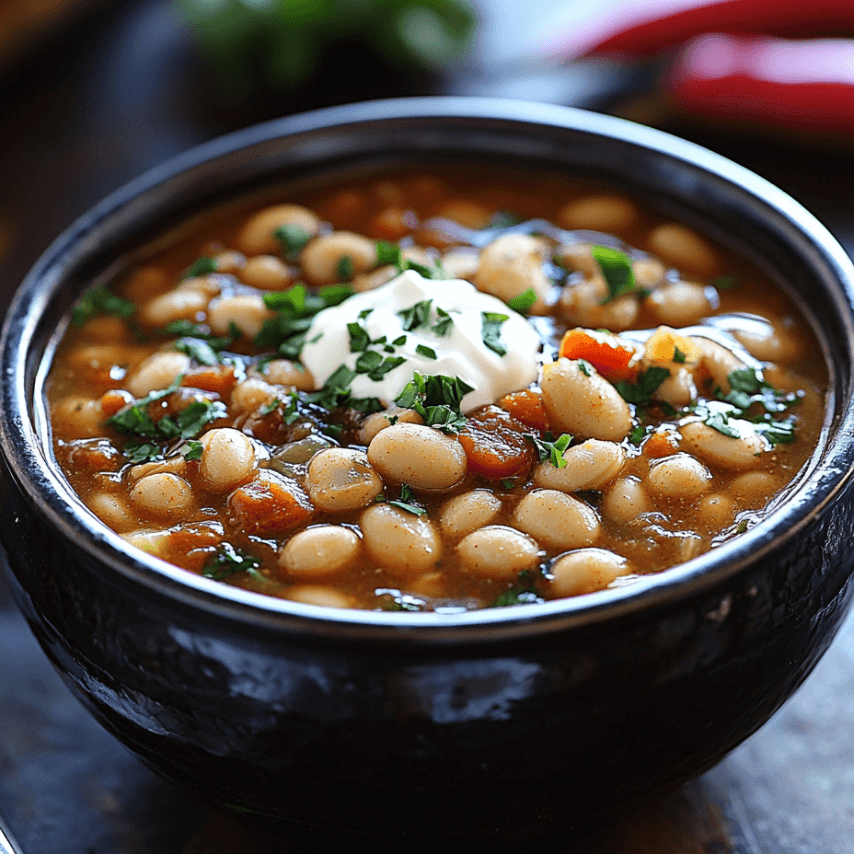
(120, 92)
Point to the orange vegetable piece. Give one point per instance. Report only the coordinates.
(495, 446)
(218, 378)
(268, 505)
(114, 400)
(661, 444)
(526, 406)
(612, 357)
(661, 346)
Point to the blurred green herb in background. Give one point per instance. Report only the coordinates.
(283, 42)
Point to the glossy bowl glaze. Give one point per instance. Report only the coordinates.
(506, 723)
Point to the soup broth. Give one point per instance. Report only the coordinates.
(438, 390)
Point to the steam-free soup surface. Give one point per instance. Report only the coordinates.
(439, 390)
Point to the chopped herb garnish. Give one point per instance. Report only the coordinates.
(444, 323)
(391, 254)
(416, 315)
(776, 432)
(741, 527)
(522, 593)
(405, 502)
(585, 367)
(359, 338)
(724, 283)
(140, 451)
(437, 400)
(522, 303)
(491, 331)
(425, 351)
(508, 482)
(192, 450)
(376, 366)
(678, 356)
(100, 301)
(200, 267)
(549, 448)
(292, 238)
(720, 421)
(616, 269)
(199, 350)
(345, 268)
(640, 392)
(638, 433)
(229, 561)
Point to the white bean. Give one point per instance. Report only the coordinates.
(228, 459)
(252, 394)
(586, 571)
(323, 256)
(180, 304)
(717, 510)
(717, 449)
(679, 476)
(246, 311)
(157, 372)
(557, 519)
(497, 552)
(511, 265)
(464, 513)
(418, 455)
(78, 417)
(682, 247)
(111, 509)
(590, 465)
(342, 479)
(754, 487)
(319, 551)
(586, 406)
(600, 212)
(377, 421)
(625, 500)
(258, 233)
(679, 303)
(402, 542)
(718, 361)
(586, 303)
(266, 272)
(287, 373)
(162, 495)
(318, 594)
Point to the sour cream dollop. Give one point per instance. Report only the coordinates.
(460, 352)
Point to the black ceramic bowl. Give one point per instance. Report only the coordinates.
(509, 722)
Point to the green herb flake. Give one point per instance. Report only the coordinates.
(491, 331)
(405, 502)
(359, 338)
(640, 392)
(443, 325)
(508, 483)
(100, 301)
(200, 267)
(616, 268)
(724, 283)
(549, 448)
(720, 421)
(741, 527)
(345, 269)
(585, 367)
(638, 434)
(199, 350)
(292, 238)
(229, 561)
(678, 356)
(522, 303)
(416, 315)
(192, 450)
(436, 399)
(425, 351)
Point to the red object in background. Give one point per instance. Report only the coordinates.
(806, 86)
(732, 68)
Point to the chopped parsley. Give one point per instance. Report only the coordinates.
(390, 254)
(345, 269)
(640, 393)
(549, 448)
(200, 267)
(522, 593)
(416, 315)
(228, 561)
(292, 238)
(522, 303)
(436, 399)
(585, 367)
(491, 331)
(295, 309)
(136, 421)
(405, 502)
(427, 352)
(678, 356)
(443, 325)
(100, 301)
(192, 450)
(616, 268)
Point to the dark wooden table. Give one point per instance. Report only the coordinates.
(122, 91)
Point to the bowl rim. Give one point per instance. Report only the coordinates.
(44, 487)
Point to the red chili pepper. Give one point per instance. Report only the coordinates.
(650, 28)
(807, 86)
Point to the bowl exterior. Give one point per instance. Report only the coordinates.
(502, 725)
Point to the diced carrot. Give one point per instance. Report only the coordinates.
(218, 378)
(268, 505)
(661, 444)
(612, 357)
(495, 445)
(114, 400)
(527, 407)
(662, 345)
